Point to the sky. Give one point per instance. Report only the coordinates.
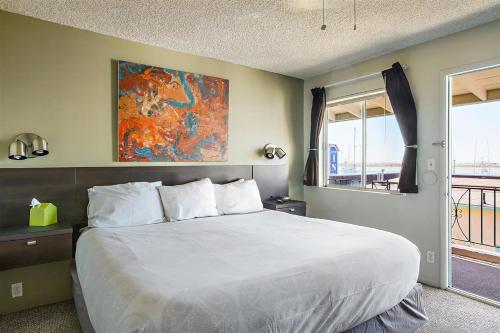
(384, 141)
(476, 133)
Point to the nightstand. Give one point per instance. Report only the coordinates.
(27, 246)
(295, 207)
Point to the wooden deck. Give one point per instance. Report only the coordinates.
(476, 277)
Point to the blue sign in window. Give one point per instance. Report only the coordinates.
(333, 159)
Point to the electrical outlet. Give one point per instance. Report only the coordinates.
(430, 257)
(17, 289)
(431, 164)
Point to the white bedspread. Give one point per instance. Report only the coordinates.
(260, 272)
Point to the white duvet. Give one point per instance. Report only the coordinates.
(260, 272)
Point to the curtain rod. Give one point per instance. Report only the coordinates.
(366, 93)
(359, 78)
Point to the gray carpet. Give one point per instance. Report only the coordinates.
(54, 318)
(448, 312)
(476, 278)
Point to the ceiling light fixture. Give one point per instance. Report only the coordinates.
(323, 27)
(354, 12)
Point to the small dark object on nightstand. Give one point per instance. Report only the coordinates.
(285, 204)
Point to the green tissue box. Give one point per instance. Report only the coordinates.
(43, 214)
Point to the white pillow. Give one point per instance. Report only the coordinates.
(124, 205)
(219, 191)
(195, 199)
(238, 197)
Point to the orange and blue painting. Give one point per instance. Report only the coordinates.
(171, 116)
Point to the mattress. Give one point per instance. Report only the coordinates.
(260, 272)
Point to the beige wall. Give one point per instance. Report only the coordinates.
(415, 216)
(60, 83)
(42, 284)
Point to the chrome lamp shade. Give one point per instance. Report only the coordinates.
(17, 150)
(280, 153)
(40, 146)
(28, 145)
(269, 150)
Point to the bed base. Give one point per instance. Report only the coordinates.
(81, 308)
(405, 317)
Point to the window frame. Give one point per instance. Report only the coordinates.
(362, 98)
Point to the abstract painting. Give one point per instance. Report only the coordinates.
(171, 116)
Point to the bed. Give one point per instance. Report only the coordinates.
(261, 272)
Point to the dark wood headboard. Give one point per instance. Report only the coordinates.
(67, 187)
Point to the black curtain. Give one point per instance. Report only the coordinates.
(311, 173)
(399, 93)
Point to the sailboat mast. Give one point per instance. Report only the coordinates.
(354, 163)
(475, 151)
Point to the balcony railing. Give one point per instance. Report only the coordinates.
(474, 215)
(375, 180)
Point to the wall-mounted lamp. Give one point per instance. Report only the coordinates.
(28, 145)
(271, 150)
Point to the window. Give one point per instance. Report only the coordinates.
(364, 147)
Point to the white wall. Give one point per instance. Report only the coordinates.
(415, 216)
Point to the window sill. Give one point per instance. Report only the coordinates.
(364, 190)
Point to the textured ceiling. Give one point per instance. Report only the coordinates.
(281, 36)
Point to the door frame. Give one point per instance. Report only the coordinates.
(445, 165)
